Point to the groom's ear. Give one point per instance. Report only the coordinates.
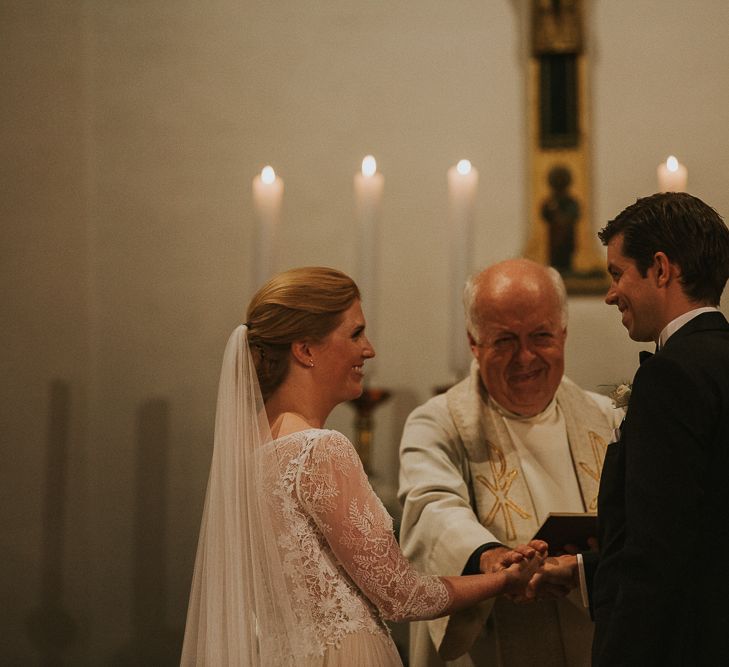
(665, 270)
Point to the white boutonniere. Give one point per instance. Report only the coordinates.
(620, 395)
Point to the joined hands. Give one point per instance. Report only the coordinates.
(532, 574)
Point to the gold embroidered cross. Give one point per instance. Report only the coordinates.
(598, 446)
(500, 488)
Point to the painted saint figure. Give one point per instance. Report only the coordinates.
(561, 212)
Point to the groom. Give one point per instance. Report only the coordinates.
(659, 592)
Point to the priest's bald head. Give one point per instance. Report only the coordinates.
(516, 316)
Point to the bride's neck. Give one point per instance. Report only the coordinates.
(287, 423)
(290, 410)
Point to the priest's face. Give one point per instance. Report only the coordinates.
(520, 350)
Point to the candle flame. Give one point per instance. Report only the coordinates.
(672, 163)
(268, 175)
(463, 167)
(369, 166)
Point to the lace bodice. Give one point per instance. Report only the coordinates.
(339, 553)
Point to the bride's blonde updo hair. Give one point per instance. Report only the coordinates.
(299, 304)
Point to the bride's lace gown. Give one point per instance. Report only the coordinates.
(340, 557)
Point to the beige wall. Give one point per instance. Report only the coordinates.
(130, 134)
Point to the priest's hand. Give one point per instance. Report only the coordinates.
(494, 559)
(499, 558)
(528, 557)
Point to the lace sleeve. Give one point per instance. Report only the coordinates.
(334, 489)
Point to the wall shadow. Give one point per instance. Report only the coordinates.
(51, 628)
(153, 643)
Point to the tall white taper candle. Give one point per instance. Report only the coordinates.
(368, 188)
(267, 197)
(672, 176)
(462, 186)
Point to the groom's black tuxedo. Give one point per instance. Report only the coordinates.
(659, 591)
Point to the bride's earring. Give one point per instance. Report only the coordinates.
(311, 363)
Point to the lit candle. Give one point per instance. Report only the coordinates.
(462, 185)
(368, 187)
(672, 176)
(267, 197)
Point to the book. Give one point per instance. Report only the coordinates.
(560, 528)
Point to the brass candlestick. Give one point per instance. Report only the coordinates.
(365, 405)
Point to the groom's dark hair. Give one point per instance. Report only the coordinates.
(690, 233)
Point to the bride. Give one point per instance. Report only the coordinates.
(297, 563)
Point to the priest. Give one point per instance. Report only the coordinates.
(483, 464)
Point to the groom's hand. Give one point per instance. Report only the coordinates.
(556, 578)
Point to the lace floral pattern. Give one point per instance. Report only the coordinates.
(337, 543)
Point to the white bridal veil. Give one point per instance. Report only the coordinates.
(241, 609)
